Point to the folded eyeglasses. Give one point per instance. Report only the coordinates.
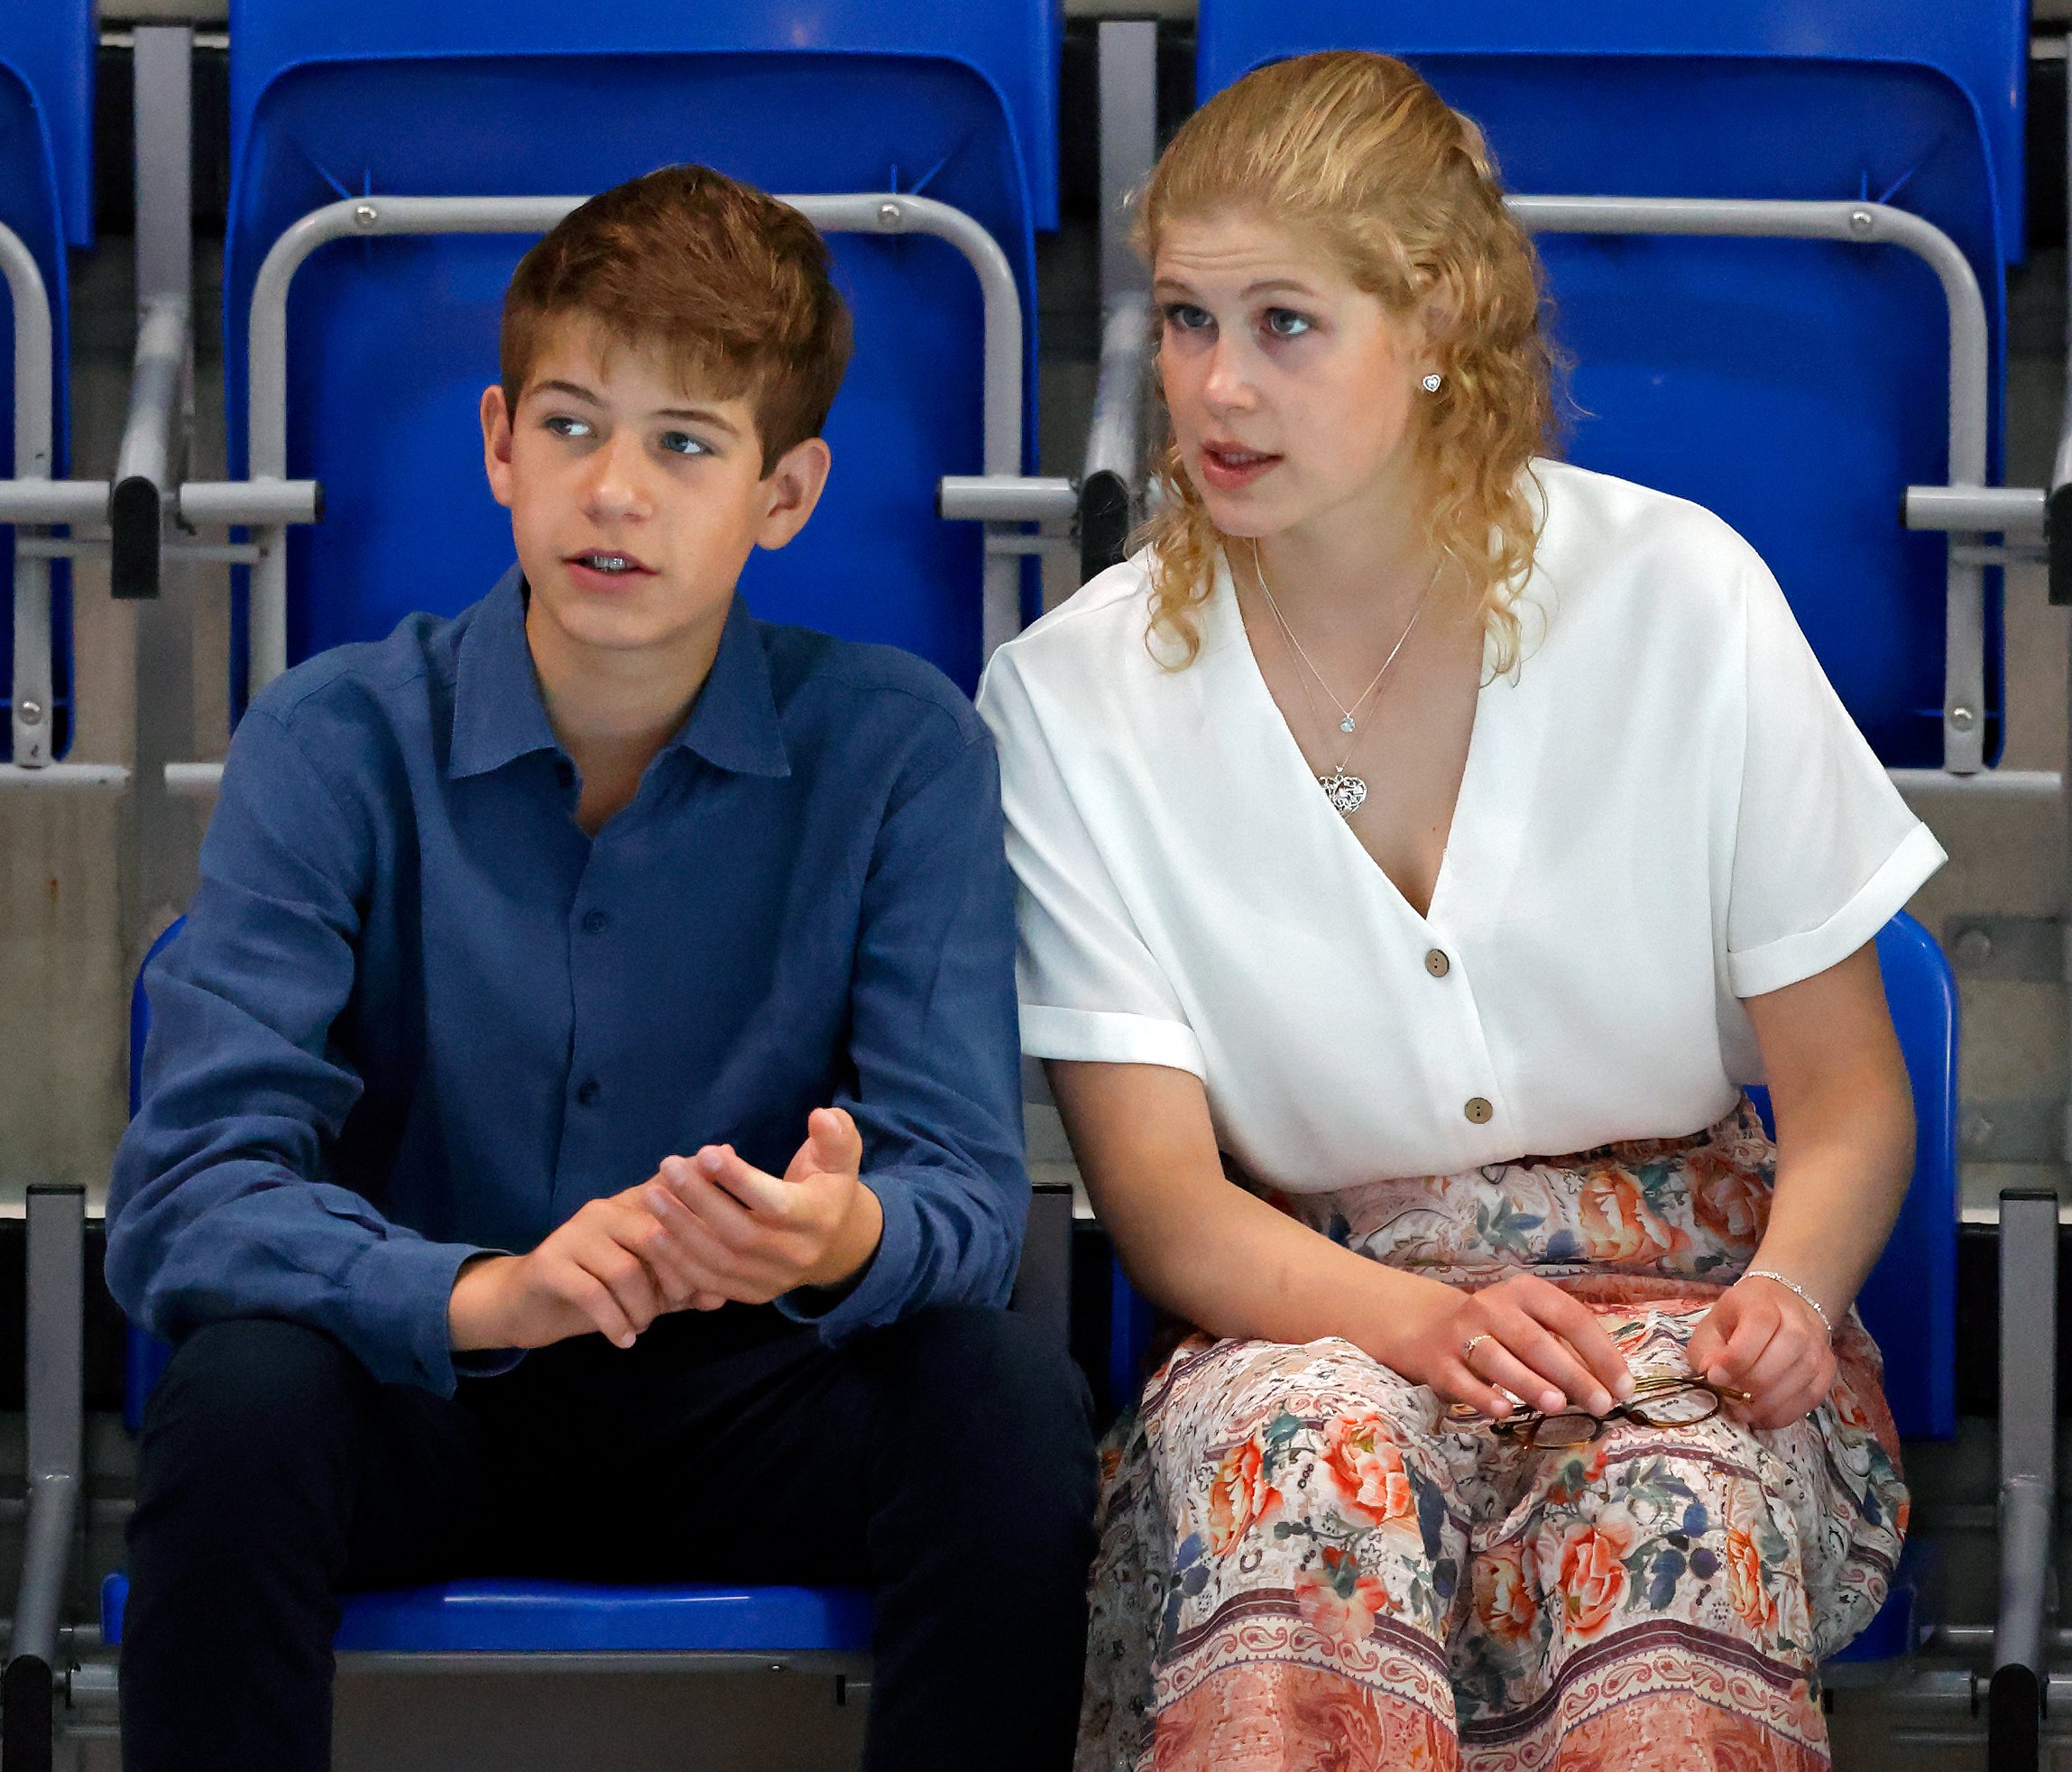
(1655, 1402)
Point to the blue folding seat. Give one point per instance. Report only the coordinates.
(1909, 1303)
(46, 200)
(390, 341)
(1797, 387)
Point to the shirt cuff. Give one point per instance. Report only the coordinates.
(1108, 1036)
(399, 1291)
(1755, 971)
(887, 1283)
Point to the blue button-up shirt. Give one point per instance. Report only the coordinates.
(416, 1013)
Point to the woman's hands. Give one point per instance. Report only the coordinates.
(1761, 1338)
(1543, 1346)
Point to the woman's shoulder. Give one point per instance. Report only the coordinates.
(1090, 644)
(1599, 515)
(1621, 549)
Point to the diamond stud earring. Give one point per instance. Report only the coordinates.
(1431, 383)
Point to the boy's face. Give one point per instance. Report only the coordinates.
(635, 503)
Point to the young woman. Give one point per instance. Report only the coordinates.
(1411, 805)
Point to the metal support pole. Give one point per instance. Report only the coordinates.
(1128, 54)
(164, 119)
(31, 715)
(56, 1226)
(2027, 1475)
(166, 832)
(1111, 479)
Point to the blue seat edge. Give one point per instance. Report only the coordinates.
(489, 1617)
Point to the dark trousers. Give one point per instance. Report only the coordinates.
(947, 1463)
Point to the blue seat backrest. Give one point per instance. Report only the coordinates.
(46, 197)
(1909, 1301)
(48, 47)
(391, 342)
(1794, 387)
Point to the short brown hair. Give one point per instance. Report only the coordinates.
(731, 283)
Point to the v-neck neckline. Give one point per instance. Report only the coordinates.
(1225, 608)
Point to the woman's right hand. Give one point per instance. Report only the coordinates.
(1544, 1347)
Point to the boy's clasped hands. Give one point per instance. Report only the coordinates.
(704, 1230)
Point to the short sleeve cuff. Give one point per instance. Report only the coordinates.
(876, 1298)
(1755, 971)
(1104, 1036)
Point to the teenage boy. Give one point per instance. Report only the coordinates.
(607, 973)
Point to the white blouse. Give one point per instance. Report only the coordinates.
(1665, 809)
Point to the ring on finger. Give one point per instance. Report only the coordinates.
(1468, 1348)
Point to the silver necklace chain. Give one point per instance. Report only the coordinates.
(1347, 793)
(1349, 720)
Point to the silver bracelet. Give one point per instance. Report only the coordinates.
(1793, 1285)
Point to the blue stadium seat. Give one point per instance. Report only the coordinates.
(1909, 1303)
(390, 341)
(1795, 387)
(46, 198)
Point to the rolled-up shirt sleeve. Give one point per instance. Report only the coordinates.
(1825, 850)
(937, 1080)
(1091, 989)
(221, 1203)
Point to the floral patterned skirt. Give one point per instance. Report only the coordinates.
(1303, 1565)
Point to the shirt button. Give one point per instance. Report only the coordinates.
(594, 922)
(1478, 1109)
(589, 1089)
(1437, 964)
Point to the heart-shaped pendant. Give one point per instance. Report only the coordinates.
(1347, 793)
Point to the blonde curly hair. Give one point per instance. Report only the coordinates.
(1356, 152)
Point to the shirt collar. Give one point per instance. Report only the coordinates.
(497, 712)
(498, 715)
(733, 724)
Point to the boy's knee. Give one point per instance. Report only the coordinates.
(985, 1363)
(1000, 1402)
(247, 1390)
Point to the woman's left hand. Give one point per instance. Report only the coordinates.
(1761, 1338)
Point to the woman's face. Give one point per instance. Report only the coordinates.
(1291, 390)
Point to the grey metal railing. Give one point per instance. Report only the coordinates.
(1861, 225)
(32, 720)
(148, 463)
(2028, 1476)
(54, 1387)
(879, 212)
